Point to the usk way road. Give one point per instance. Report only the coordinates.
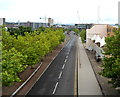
(59, 78)
(62, 76)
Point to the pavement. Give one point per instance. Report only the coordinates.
(87, 82)
(106, 87)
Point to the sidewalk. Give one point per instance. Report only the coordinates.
(106, 87)
(87, 82)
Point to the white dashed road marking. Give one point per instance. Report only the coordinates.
(55, 88)
(63, 66)
(65, 60)
(60, 74)
(66, 56)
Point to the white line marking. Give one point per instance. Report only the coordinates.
(68, 42)
(66, 56)
(55, 88)
(63, 66)
(68, 52)
(65, 60)
(60, 74)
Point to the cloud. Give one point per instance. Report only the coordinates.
(61, 10)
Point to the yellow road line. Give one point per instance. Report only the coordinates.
(75, 76)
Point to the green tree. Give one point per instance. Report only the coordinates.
(19, 31)
(11, 65)
(111, 64)
(77, 31)
(26, 50)
(83, 35)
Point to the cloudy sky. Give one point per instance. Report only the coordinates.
(62, 11)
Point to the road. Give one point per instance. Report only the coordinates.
(59, 78)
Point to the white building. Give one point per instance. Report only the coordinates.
(50, 22)
(2, 21)
(100, 29)
(95, 37)
(103, 30)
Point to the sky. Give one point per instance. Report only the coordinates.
(62, 11)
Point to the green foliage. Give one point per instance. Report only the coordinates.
(26, 50)
(11, 65)
(41, 29)
(2, 28)
(19, 31)
(83, 35)
(111, 64)
(77, 31)
(7, 40)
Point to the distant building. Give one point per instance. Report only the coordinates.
(50, 22)
(110, 30)
(11, 24)
(83, 26)
(2, 21)
(26, 24)
(34, 25)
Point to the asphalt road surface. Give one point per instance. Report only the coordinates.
(59, 78)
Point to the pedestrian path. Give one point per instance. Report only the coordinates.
(87, 82)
